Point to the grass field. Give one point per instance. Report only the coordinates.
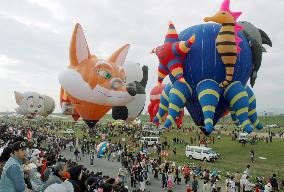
(233, 156)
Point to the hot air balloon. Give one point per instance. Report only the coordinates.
(216, 71)
(32, 104)
(139, 76)
(102, 148)
(158, 101)
(94, 85)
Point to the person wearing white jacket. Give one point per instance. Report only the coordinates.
(248, 185)
(268, 187)
(206, 186)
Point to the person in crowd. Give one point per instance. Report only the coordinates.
(164, 179)
(76, 174)
(274, 183)
(132, 179)
(175, 150)
(252, 156)
(142, 182)
(58, 174)
(186, 173)
(92, 157)
(188, 189)
(170, 182)
(195, 185)
(7, 152)
(65, 186)
(238, 181)
(248, 185)
(206, 186)
(231, 185)
(12, 178)
(76, 153)
(248, 170)
(122, 174)
(268, 187)
(176, 173)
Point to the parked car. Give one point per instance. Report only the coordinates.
(272, 126)
(201, 153)
(243, 137)
(150, 140)
(69, 131)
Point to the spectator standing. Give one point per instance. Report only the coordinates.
(274, 183)
(57, 176)
(252, 156)
(231, 185)
(195, 185)
(12, 178)
(122, 175)
(248, 185)
(206, 186)
(76, 153)
(238, 181)
(92, 157)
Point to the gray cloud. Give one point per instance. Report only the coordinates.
(35, 37)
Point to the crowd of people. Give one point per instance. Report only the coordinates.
(35, 163)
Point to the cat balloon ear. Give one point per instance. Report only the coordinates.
(19, 97)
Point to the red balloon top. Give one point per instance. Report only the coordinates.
(156, 92)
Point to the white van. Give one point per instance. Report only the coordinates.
(202, 153)
(151, 131)
(243, 137)
(272, 126)
(150, 140)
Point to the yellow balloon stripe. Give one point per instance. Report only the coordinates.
(177, 71)
(178, 93)
(183, 47)
(225, 92)
(166, 97)
(237, 97)
(208, 121)
(161, 75)
(169, 117)
(209, 108)
(174, 107)
(189, 87)
(246, 122)
(252, 112)
(163, 107)
(208, 92)
(251, 99)
(159, 116)
(256, 123)
(172, 31)
(242, 110)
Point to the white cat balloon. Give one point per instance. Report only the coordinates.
(32, 104)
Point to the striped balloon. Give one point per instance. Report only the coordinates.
(179, 94)
(164, 104)
(252, 109)
(208, 92)
(237, 96)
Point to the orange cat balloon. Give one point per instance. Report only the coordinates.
(94, 85)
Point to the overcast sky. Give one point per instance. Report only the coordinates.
(35, 37)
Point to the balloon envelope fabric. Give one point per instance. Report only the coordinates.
(204, 62)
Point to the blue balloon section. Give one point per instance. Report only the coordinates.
(204, 62)
(101, 149)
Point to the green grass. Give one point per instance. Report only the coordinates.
(233, 156)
